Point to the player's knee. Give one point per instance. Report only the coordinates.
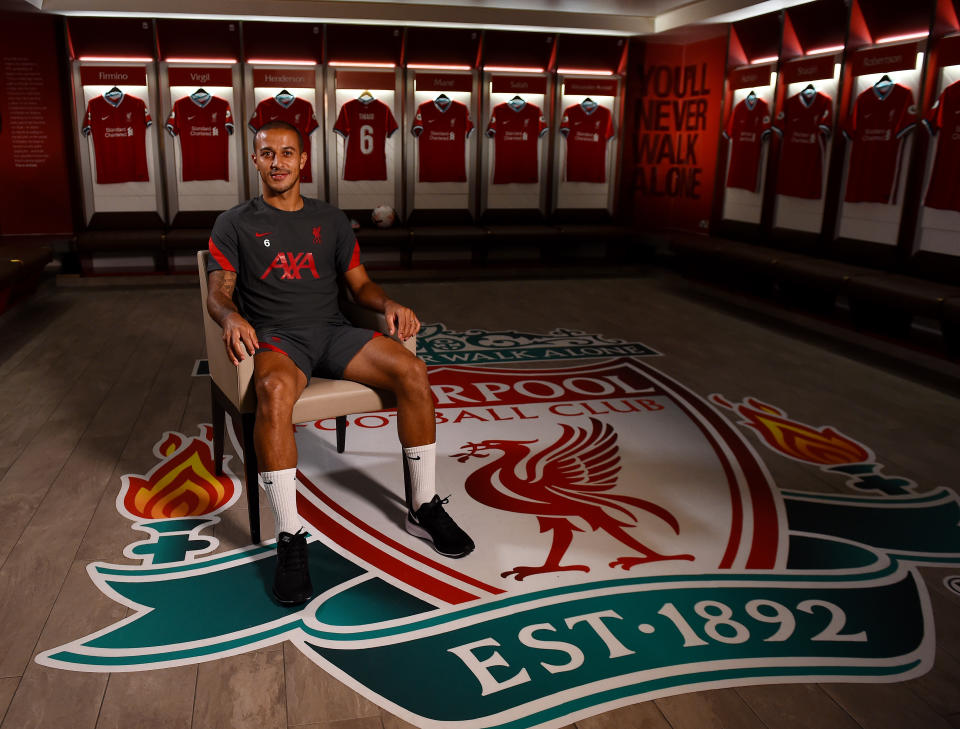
(274, 392)
(414, 376)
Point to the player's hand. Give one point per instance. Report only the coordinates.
(239, 338)
(401, 321)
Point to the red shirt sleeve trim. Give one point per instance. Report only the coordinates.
(220, 258)
(355, 258)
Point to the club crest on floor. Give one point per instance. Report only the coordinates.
(631, 543)
(438, 345)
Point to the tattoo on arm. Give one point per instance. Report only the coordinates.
(228, 283)
(220, 298)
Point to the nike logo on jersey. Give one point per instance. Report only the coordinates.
(260, 235)
(413, 458)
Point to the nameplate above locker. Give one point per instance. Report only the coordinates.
(113, 75)
(444, 82)
(595, 86)
(274, 77)
(901, 57)
(519, 84)
(365, 80)
(752, 76)
(809, 69)
(184, 76)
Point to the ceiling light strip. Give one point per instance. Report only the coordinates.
(584, 72)
(200, 60)
(117, 59)
(826, 49)
(437, 67)
(279, 62)
(513, 69)
(363, 64)
(904, 37)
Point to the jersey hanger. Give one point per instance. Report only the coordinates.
(284, 98)
(883, 82)
(589, 105)
(114, 96)
(809, 90)
(365, 96)
(517, 103)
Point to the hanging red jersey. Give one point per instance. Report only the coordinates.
(441, 131)
(587, 133)
(119, 138)
(299, 113)
(748, 125)
(944, 118)
(203, 130)
(877, 124)
(366, 126)
(516, 130)
(804, 127)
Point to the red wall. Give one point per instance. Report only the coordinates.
(674, 99)
(33, 151)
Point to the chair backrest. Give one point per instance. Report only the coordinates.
(235, 382)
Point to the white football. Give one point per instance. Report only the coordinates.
(383, 216)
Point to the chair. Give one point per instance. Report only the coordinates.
(232, 391)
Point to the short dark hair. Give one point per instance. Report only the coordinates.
(279, 124)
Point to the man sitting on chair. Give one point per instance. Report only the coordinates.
(283, 254)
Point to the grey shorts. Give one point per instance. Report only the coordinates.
(318, 351)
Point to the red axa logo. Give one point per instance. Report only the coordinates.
(291, 264)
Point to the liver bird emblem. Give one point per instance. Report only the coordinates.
(571, 478)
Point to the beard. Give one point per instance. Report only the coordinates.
(279, 187)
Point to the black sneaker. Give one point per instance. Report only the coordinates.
(291, 581)
(433, 523)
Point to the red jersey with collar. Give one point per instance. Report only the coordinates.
(515, 133)
(877, 124)
(441, 135)
(804, 128)
(119, 138)
(746, 129)
(299, 113)
(203, 132)
(586, 134)
(366, 126)
(944, 120)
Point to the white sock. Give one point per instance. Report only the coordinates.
(281, 488)
(422, 463)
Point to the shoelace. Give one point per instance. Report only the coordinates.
(441, 515)
(294, 555)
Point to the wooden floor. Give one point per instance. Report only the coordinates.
(91, 377)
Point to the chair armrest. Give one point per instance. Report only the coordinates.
(361, 316)
(234, 381)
